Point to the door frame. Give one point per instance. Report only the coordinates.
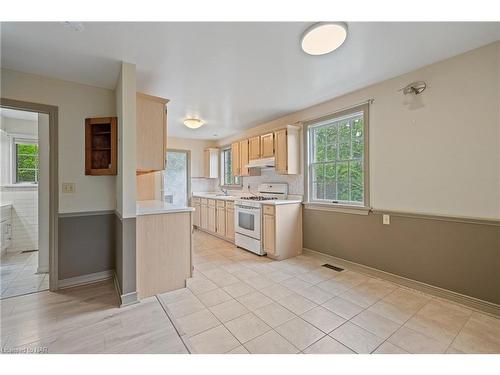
(188, 164)
(52, 112)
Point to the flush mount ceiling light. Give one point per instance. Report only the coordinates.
(193, 123)
(323, 37)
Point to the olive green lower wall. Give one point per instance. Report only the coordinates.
(457, 256)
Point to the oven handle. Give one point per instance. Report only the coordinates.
(248, 207)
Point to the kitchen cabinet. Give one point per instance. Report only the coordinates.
(230, 221)
(163, 252)
(287, 150)
(243, 158)
(254, 148)
(282, 230)
(197, 212)
(151, 135)
(235, 158)
(221, 218)
(204, 214)
(212, 216)
(267, 145)
(211, 163)
(100, 146)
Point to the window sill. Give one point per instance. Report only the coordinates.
(24, 186)
(346, 209)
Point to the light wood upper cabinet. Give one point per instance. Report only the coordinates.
(267, 145)
(287, 150)
(254, 148)
(244, 158)
(151, 135)
(211, 163)
(235, 158)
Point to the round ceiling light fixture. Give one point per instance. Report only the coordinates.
(193, 123)
(323, 37)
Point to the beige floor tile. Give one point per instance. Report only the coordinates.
(276, 291)
(323, 319)
(416, 342)
(453, 350)
(312, 277)
(200, 285)
(197, 322)
(270, 343)
(295, 284)
(344, 308)
(245, 273)
(327, 345)
(388, 348)
(216, 340)
(214, 297)
(185, 307)
(360, 297)
(255, 300)
(220, 277)
(396, 313)
(333, 287)
(279, 276)
(259, 282)
(229, 310)
(356, 338)
(247, 327)
(375, 323)
(239, 350)
(481, 334)
(300, 333)
(175, 295)
(238, 289)
(297, 304)
(274, 314)
(315, 294)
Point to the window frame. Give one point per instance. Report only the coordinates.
(343, 206)
(238, 179)
(15, 140)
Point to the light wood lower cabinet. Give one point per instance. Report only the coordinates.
(197, 215)
(230, 224)
(282, 230)
(163, 252)
(212, 219)
(204, 216)
(221, 221)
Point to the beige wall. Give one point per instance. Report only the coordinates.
(196, 147)
(75, 102)
(438, 153)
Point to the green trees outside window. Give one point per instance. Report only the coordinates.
(26, 163)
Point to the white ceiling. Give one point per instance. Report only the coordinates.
(19, 115)
(233, 75)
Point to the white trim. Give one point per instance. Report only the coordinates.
(477, 304)
(42, 269)
(361, 210)
(85, 279)
(125, 299)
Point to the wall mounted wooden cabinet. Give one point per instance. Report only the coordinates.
(287, 150)
(254, 148)
(267, 145)
(239, 155)
(211, 163)
(100, 146)
(243, 158)
(235, 157)
(151, 132)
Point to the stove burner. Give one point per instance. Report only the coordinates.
(259, 198)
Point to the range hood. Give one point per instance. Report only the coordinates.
(262, 163)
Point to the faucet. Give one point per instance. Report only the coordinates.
(223, 190)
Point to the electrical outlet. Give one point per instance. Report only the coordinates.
(386, 219)
(68, 187)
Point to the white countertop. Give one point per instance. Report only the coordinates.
(292, 198)
(277, 202)
(4, 204)
(215, 196)
(159, 207)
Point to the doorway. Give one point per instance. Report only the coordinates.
(176, 179)
(28, 197)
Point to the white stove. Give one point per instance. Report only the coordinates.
(248, 215)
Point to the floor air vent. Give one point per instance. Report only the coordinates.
(338, 269)
(28, 251)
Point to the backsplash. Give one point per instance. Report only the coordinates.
(295, 182)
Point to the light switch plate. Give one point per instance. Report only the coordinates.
(68, 187)
(386, 219)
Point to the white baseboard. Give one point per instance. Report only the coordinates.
(85, 279)
(471, 302)
(125, 299)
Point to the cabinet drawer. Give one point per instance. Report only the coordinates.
(204, 201)
(229, 204)
(211, 202)
(196, 200)
(268, 210)
(221, 204)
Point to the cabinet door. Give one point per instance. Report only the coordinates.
(197, 215)
(280, 145)
(221, 221)
(204, 216)
(269, 234)
(212, 224)
(254, 148)
(151, 133)
(235, 158)
(267, 145)
(244, 158)
(230, 224)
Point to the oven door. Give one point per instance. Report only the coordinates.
(247, 221)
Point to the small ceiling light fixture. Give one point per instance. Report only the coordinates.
(193, 123)
(414, 88)
(323, 37)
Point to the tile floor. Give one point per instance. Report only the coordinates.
(238, 302)
(18, 274)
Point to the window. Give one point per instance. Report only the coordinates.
(337, 160)
(226, 165)
(25, 159)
